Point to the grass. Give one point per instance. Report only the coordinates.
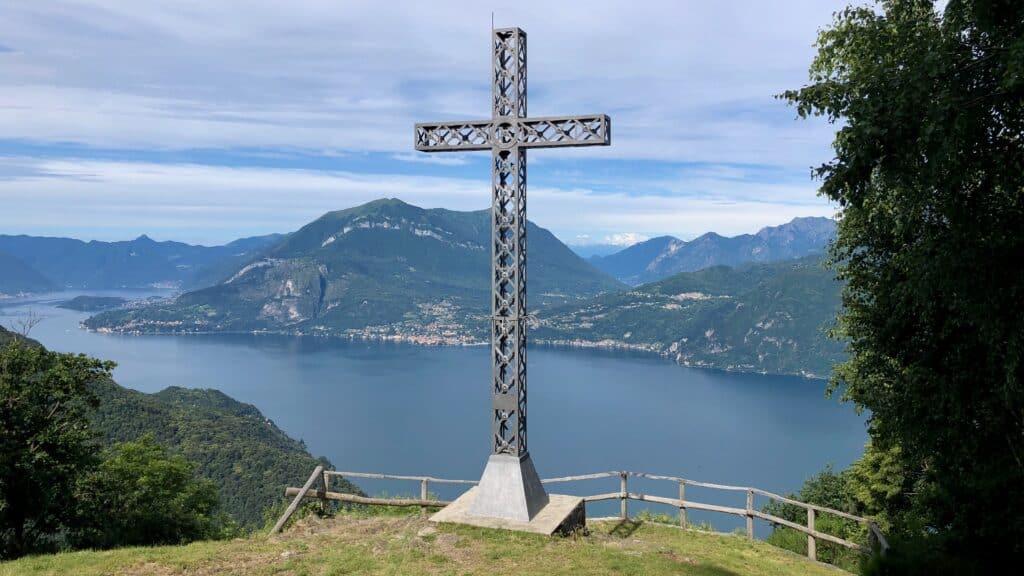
(365, 543)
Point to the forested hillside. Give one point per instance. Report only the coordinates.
(757, 318)
(245, 454)
(248, 458)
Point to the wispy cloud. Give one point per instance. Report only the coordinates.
(618, 239)
(322, 76)
(116, 200)
(435, 159)
(625, 238)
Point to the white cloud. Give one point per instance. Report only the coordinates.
(683, 81)
(625, 238)
(210, 204)
(437, 159)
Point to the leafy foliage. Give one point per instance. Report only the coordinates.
(44, 441)
(141, 495)
(830, 489)
(929, 172)
(875, 486)
(6, 337)
(177, 463)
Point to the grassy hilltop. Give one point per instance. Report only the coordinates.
(360, 544)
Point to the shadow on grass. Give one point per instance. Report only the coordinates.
(625, 528)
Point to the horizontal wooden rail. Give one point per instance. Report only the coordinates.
(396, 477)
(342, 497)
(809, 532)
(581, 477)
(623, 495)
(805, 505)
(689, 482)
(600, 497)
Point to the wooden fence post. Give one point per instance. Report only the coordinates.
(317, 473)
(326, 479)
(623, 493)
(812, 544)
(423, 495)
(750, 514)
(682, 507)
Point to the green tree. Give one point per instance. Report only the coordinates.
(929, 175)
(830, 489)
(140, 495)
(44, 441)
(873, 486)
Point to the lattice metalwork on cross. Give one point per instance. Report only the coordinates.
(508, 134)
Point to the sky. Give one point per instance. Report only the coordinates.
(208, 121)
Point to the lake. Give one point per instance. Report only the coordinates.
(404, 409)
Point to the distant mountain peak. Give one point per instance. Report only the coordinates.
(664, 256)
(378, 207)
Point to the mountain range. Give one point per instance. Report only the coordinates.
(664, 256)
(389, 270)
(41, 264)
(385, 269)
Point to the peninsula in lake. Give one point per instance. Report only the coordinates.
(388, 270)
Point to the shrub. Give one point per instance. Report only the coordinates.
(140, 495)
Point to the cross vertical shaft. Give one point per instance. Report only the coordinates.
(508, 247)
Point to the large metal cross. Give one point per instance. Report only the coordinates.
(508, 134)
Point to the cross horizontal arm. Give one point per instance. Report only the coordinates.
(453, 136)
(559, 131)
(552, 132)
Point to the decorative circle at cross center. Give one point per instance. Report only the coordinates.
(505, 135)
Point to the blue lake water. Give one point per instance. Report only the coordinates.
(403, 409)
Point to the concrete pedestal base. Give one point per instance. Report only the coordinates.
(509, 489)
(561, 514)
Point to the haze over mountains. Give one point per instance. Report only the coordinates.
(664, 256)
(56, 263)
(17, 277)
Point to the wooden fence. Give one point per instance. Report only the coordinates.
(623, 495)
